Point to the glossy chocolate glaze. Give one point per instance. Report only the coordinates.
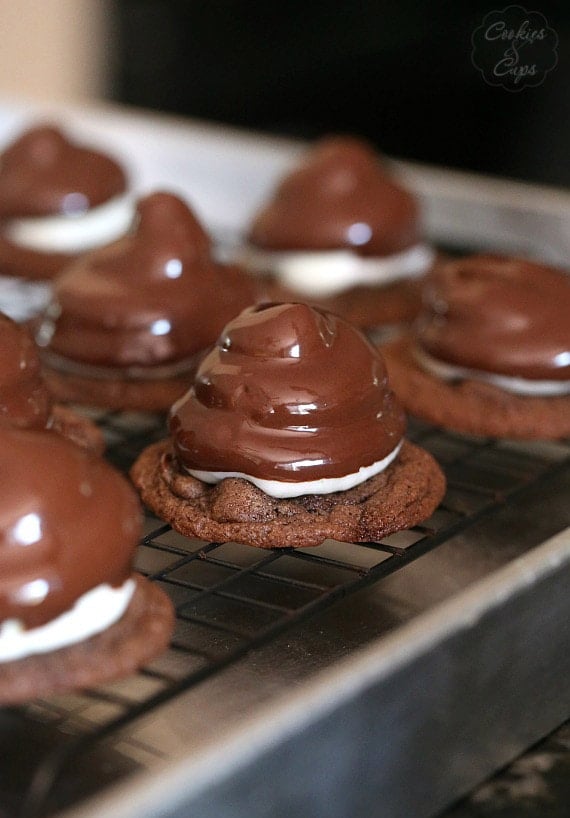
(155, 296)
(42, 173)
(340, 197)
(24, 399)
(500, 315)
(26, 263)
(68, 522)
(289, 393)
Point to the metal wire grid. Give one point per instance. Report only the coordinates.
(231, 599)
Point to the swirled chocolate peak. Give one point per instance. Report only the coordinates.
(43, 173)
(24, 399)
(68, 523)
(499, 315)
(340, 197)
(156, 296)
(289, 393)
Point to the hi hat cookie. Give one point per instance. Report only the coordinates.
(57, 199)
(72, 612)
(340, 232)
(25, 401)
(128, 323)
(289, 435)
(490, 354)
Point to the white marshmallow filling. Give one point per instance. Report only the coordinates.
(73, 233)
(91, 614)
(287, 489)
(22, 299)
(510, 383)
(315, 273)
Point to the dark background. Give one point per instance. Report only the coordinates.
(398, 73)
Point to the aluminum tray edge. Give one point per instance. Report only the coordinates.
(287, 760)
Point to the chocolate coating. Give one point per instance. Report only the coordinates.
(340, 197)
(289, 393)
(24, 399)
(500, 315)
(68, 522)
(31, 264)
(155, 296)
(42, 173)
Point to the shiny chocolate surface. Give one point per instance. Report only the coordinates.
(20, 261)
(500, 315)
(44, 173)
(24, 399)
(153, 297)
(289, 393)
(68, 522)
(340, 197)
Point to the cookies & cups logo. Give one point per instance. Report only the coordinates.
(514, 48)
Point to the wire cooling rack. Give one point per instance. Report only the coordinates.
(231, 599)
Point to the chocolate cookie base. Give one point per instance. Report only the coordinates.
(77, 428)
(473, 407)
(142, 632)
(407, 492)
(120, 394)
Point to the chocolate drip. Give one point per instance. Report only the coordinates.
(339, 198)
(500, 315)
(289, 393)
